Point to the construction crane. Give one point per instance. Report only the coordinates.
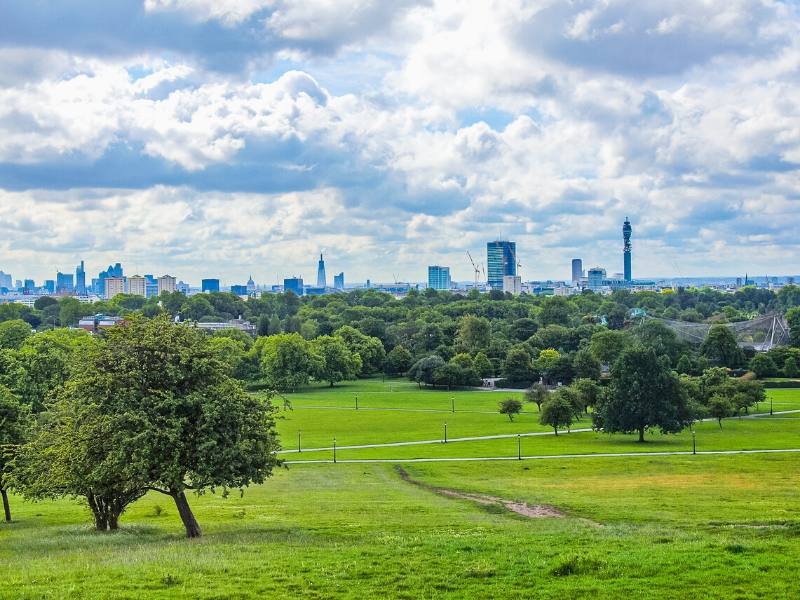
(475, 268)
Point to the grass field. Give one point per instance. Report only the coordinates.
(706, 526)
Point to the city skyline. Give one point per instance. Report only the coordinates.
(404, 135)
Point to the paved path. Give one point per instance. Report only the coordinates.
(493, 437)
(546, 457)
(439, 441)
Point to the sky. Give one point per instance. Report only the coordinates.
(223, 138)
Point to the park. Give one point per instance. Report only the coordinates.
(412, 520)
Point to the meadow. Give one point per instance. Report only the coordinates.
(704, 526)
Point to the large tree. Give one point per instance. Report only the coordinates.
(721, 349)
(336, 362)
(13, 421)
(644, 393)
(178, 420)
(557, 411)
(13, 333)
(287, 361)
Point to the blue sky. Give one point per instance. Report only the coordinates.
(230, 137)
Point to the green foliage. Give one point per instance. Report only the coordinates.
(606, 345)
(370, 349)
(482, 365)
(474, 334)
(337, 362)
(557, 411)
(720, 407)
(13, 333)
(518, 367)
(793, 320)
(763, 366)
(644, 393)
(586, 366)
(423, 371)
(790, 368)
(398, 361)
(537, 394)
(588, 392)
(510, 407)
(287, 361)
(721, 349)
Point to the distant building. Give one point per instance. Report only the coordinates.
(80, 280)
(165, 283)
(112, 271)
(321, 278)
(338, 281)
(137, 285)
(512, 284)
(209, 285)
(251, 286)
(501, 260)
(626, 249)
(577, 270)
(49, 286)
(64, 283)
(6, 281)
(113, 286)
(293, 284)
(183, 287)
(596, 276)
(29, 286)
(239, 324)
(239, 290)
(98, 322)
(439, 277)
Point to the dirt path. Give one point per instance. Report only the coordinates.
(533, 511)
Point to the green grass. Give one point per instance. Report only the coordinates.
(634, 527)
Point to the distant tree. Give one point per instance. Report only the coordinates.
(720, 407)
(43, 302)
(518, 367)
(546, 363)
(557, 412)
(287, 361)
(537, 394)
(793, 320)
(13, 426)
(262, 325)
(195, 307)
(337, 362)
(721, 349)
(763, 366)
(70, 311)
(556, 310)
(423, 370)
(644, 393)
(523, 328)
(684, 365)
(606, 345)
(448, 374)
(588, 391)
(586, 366)
(13, 333)
(482, 365)
(790, 368)
(369, 348)
(398, 361)
(474, 334)
(229, 352)
(510, 407)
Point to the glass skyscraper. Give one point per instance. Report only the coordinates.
(293, 284)
(439, 277)
(626, 249)
(501, 260)
(80, 280)
(209, 285)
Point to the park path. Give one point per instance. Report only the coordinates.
(500, 436)
(545, 456)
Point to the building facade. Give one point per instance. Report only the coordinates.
(501, 261)
(577, 270)
(321, 278)
(512, 284)
(113, 286)
(80, 280)
(596, 276)
(64, 283)
(209, 285)
(338, 281)
(439, 277)
(293, 284)
(137, 285)
(166, 283)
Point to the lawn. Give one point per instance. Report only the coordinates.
(706, 526)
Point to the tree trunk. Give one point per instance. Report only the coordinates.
(556, 430)
(641, 434)
(185, 511)
(6, 507)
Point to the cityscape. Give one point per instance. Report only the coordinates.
(500, 271)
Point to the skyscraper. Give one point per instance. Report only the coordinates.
(439, 277)
(338, 281)
(64, 283)
(80, 280)
(137, 285)
(209, 285)
(626, 249)
(321, 279)
(166, 283)
(113, 286)
(577, 270)
(293, 284)
(501, 260)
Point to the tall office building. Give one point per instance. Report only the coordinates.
(321, 279)
(6, 281)
(80, 280)
(64, 283)
(577, 270)
(166, 283)
(113, 286)
(112, 271)
(49, 286)
(137, 285)
(501, 261)
(209, 285)
(29, 286)
(439, 277)
(596, 276)
(338, 281)
(293, 284)
(626, 248)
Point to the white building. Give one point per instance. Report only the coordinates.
(512, 284)
(166, 283)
